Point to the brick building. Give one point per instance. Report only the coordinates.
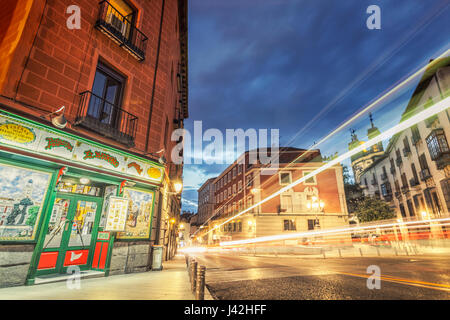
(319, 202)
(121, 76)
(206, 201)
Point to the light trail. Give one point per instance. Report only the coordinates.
(327, 232)
(421, 116)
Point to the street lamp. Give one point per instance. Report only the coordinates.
(178, 186)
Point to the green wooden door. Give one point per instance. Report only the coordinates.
(71, 233)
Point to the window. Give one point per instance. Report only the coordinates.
(239, 226)
(386, 189)
(239, 168)
(234, 172)
(310, 224)
(234, 188)
(415, 134)
(106, 97)
(250, 180)
(117, 19)
(437, 144)
(445, 185)
(289, 225)
(285, 178)
(225, 194)
(286, 203)
(414, 171)
(229, 191)
(311, 180)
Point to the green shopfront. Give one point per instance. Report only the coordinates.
(64, 200)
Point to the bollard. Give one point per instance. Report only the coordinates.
(323, 252)
(340, 255)
(200, 291)
(378, 251)
(360, 252)
(395, 249)
(406, 250)
(193, 277)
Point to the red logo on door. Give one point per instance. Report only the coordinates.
(76, 257)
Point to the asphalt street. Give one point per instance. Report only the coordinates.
(236, 277)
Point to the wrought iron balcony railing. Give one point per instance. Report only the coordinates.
(384, 176)
(105, 118)
(425, 174)
(121, 30)
(393, 170)
(413, 182)
(398, 161)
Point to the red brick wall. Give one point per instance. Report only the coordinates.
(62, 64)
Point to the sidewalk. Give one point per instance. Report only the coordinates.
(172, 283)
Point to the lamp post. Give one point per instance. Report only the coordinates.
(316, 205)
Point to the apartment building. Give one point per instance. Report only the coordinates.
(206, 201)
(89, 94)
(318, 202)
(413, 173)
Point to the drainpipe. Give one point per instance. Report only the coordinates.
(149, 123)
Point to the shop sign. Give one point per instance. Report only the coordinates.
(117, 214)
(42, 140)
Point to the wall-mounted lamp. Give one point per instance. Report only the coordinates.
(59, 121)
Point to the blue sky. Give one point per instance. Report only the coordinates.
(303, 66)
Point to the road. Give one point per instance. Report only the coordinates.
(241, 277)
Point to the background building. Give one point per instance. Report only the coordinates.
(122, 79)
(319, 202)
(413, 173)
(206, 201)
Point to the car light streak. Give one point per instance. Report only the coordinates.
(326, 232)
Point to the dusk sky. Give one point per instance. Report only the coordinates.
(302, 66)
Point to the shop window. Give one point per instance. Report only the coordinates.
(69, 186)
(289, 225)
(23, 195)
(139, 215)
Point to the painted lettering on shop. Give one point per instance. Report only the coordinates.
(16, 133)
(57, 142)
(136, 166)
(88, 154)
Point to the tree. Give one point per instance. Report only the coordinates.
(353, 193)
(372, 209)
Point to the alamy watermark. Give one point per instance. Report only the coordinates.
(213, 147)
(374, 281)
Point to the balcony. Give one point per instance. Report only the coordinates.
(398, 194)
(384, 176)
(414, 182)
(374, 182)
(415, 138)
(101, 116)
(406, 152)
(398, 161)
(121, 30)
(424, 174)
(392, 170)
(405, 189)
